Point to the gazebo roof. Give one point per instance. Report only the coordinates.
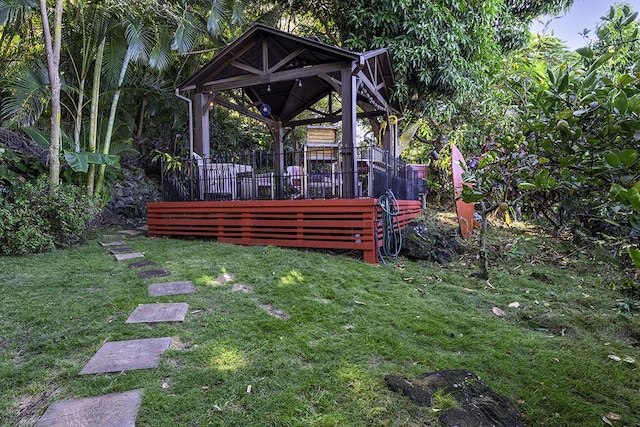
(290, 74)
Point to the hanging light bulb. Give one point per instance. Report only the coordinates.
(268, 88)
(299, 82)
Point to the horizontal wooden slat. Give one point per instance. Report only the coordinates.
(324, 224)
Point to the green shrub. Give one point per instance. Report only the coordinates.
(35, 218)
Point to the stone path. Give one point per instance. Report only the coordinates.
(121, 409)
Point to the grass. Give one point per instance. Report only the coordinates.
(350, 324)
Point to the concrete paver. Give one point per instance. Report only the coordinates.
(159, 312)
(124, 257)
(121, 250)
(109, 410)
(112, 243)
(117, 356)
(171, 288)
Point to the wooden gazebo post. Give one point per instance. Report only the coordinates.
(201, 117)
(349, 94)
(278, 138)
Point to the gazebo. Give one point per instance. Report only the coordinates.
(279, 79)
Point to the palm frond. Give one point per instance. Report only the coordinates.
(139, 38)
(12, 10)
(29, 94)
(114, 54)
(186, 33)
(218, 13)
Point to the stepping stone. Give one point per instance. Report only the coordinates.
(112, 243)
(148, 274)
(142, 264)
(131, 233)
(108, 410)
(151, 313)
(118, 356)
(121, 250)
(124, 257)
(112, 237)
(171, 288)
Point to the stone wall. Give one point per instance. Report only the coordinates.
(129, 195)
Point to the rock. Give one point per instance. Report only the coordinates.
(478, 404)
(421, 242)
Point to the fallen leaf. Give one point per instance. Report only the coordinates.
(606, 421)
(351, 384)
(165, 385)
(629, 359)
(613, 416)
(217, 408)
(249, 388)
(359, 302)
(468, 290)
(520, 401)
(615, 358)
(514, 304)
(204, 388)
(498, 312)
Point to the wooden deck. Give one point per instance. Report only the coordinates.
(322, 224)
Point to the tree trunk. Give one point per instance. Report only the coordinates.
(112, 118)
(52, 47)
(483, 257)
(93, 118)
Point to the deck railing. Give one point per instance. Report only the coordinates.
(315, 172)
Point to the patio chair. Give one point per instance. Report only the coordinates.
(294, 181)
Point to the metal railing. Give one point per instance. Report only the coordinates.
(313, 172)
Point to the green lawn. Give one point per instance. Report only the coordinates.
(350, 324)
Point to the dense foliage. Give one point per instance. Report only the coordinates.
(36, 218)
(574, 154)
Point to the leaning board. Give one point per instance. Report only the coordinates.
(464, 210)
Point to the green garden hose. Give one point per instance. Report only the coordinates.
(391, 233)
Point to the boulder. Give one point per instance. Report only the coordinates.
(422, 242)
(478, 404)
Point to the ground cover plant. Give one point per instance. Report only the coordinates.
(566, 353)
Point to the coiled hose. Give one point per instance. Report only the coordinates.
(391, 233)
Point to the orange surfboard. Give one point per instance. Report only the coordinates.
(464, 210)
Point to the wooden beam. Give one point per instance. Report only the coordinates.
(285, 60)
(247, 67)
(331, 118)
(243, 110)
(253, 80)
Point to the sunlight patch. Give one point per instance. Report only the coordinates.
(225, 358)
(291, 278)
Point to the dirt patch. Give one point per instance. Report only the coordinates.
(225, 278)
(275, 312)
(239, 287)
(176, 344)
(28, 407)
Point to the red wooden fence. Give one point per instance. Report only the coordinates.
(322, 224)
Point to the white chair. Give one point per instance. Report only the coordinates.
(201, 174)
(294, 180)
